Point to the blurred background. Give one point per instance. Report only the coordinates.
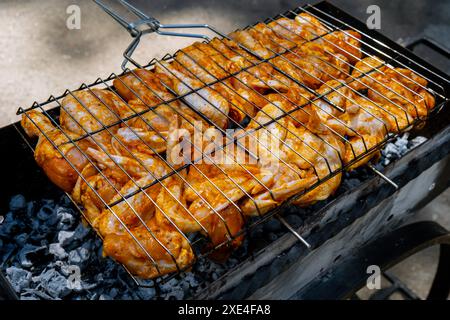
(40, 56)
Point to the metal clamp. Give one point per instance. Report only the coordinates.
(137, 28)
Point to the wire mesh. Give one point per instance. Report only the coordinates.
(307, 99)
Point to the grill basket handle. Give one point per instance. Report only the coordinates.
(147, 24)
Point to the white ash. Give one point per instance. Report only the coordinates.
(399, 147)
(43, 242)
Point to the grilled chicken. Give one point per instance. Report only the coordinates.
(60, 158)
(150, 251)
(311, 65)
(279, 35)
(89, 111)
(313, 105)
(144, 86)
(206, 101)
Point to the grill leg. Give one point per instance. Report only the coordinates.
(346, 278)
(441, 283)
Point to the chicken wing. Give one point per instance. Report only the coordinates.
(87, 112)
(62, 163)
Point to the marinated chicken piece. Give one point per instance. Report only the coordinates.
(206, 101)
(86, 112)
(364, 71)
(138, 140)
(311, 65)
(52, 160)
(395, 87)
(228, 59)
(157, 119)
(119, 177)
(232, 51)
(396, 90)
(94, 190)
(131, 211)
(279, 35)
(219, 229)
(261, 78)
(171, 207)
(333, 151)
(295, 103)
(212, 68)
(339, 92)
(144, 86)
(304, 28)
(346, 43)
(194, 63)
(371, 129)
(161, 251)
(134, 164)
(270, 39)
(272, 151)
(245, 38)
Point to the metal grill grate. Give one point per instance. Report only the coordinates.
(310, 86)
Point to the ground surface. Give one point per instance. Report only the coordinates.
(40, 56)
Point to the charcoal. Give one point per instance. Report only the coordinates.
(190, 279)
(21, 239)
(273, 225)
(55, 284)
(80, 233)
(126, 296)
(17, 203)
(29, 254)
(417, 141)
(29, 297)
(65, 237)
(58, 251)
(79, 256)
(176, 294)
(66, 219)
(19, 278)
(10, 226)
(7, 251)
(93, 296)
(48, 215)
(146, 293)
(105, 297)
(30, 209)
(169, 285)
(31, 294)
(113, 293)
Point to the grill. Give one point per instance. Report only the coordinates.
(340, 62)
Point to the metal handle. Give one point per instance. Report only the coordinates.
(148, 24)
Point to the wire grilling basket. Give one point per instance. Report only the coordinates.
(303, 87)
